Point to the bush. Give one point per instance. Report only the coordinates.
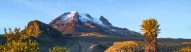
(184, 49)
(18, 42)
(128, 46)
(186, 43)
(58, 49)
(15, 46)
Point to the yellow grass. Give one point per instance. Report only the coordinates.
(127, 46)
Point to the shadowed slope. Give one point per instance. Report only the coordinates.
(46, 36)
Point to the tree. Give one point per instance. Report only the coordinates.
(150, 29)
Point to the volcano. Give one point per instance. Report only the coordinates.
(77, 23)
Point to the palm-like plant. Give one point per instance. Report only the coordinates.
(150, 29)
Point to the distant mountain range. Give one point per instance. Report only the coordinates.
(77, 23)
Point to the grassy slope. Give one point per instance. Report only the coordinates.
(165, 44)
(82, 43)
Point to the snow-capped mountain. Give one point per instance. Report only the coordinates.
(76, 23)
(75, 16)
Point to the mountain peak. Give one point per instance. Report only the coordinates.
(75, 23)
(35, 28)
(73, 12)
(105, 21)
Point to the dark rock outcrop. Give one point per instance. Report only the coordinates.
(2, 39)
(89, 16)
(105, 21)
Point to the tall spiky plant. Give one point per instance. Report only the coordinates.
(150, 29)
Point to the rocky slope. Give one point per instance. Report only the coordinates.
(77, 23)
(46, 36)
(36, 28)
(2, 39)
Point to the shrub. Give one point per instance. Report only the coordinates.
(184, 49)
(14, 46)
(186, 43)
(129, 46)
(18, 42)
(58, 49)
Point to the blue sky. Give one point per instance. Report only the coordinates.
(174, 16)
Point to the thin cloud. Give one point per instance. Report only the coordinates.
(41, 6)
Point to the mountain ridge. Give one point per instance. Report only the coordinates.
(45, 35)
(75, 23)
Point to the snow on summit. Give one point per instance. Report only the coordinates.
(73, 12)
(68, 16)
(78, 17)
(71, 22)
